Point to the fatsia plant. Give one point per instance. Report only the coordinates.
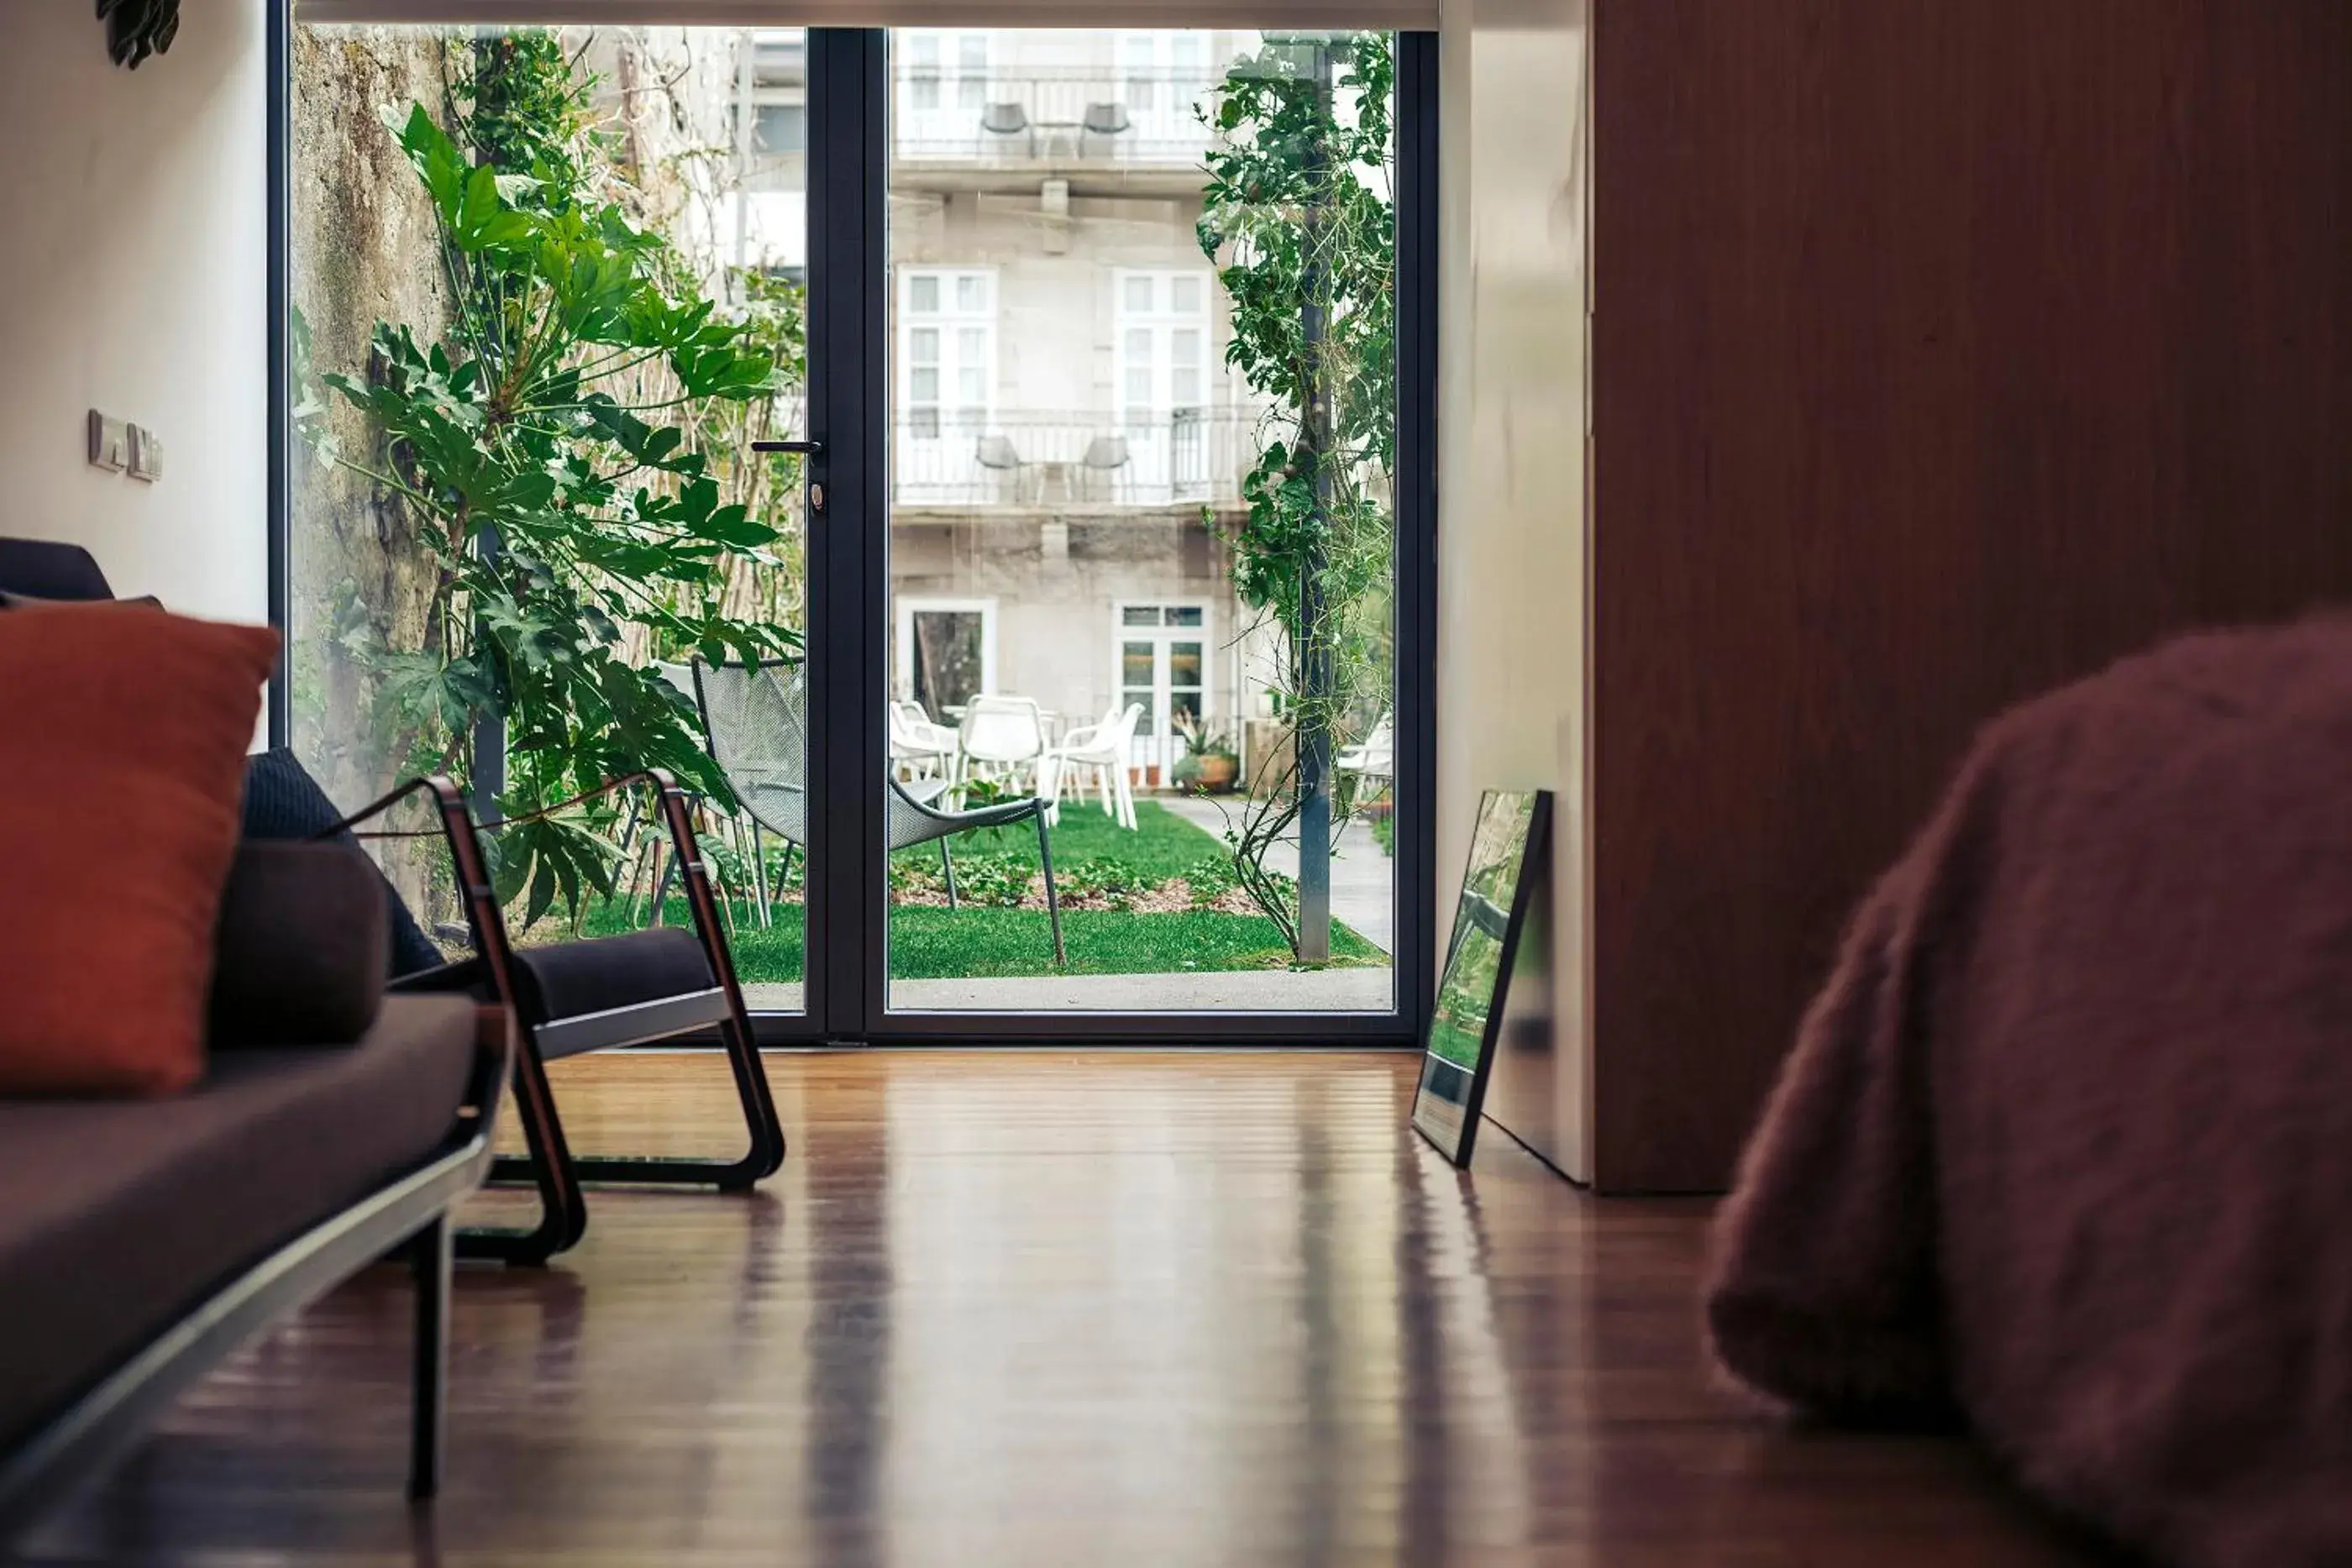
(544, 444)
(1297, 217)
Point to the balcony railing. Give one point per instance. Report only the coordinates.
(1070, 461)
(1104, 118)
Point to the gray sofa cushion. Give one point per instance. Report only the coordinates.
(283, 802)
(116, 1216)
(299, 955)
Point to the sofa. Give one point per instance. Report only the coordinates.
(141, 1241)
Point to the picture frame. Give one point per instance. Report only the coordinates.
(1510, 850)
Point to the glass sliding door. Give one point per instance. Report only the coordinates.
(546, 290)
(1142, 438)
(1105, 359)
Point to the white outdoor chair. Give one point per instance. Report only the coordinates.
(925, 749)
(1099, 750)
(1376, 758)
(1003, 740)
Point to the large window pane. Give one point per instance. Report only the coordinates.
(520, 510)
(1125, 480)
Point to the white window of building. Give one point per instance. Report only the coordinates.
(1162, 75)
(947, 349)
(778, 126)
(1162, 359)
(776, 133)
(945, 394)
(946, 79)
(1161, 377)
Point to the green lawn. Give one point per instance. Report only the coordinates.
(980, 940)
(961, 944)
(1162, 845)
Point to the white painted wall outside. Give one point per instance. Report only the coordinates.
(1102, 325)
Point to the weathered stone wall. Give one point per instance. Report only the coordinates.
(363, 252)
(669, 92)
(667, 96)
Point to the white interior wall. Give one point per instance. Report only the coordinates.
(1513, 406)
(133, 269)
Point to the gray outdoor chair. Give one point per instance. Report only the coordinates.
(999, 455)
(755, 722)
(1108, 121)
(1105, 457)
(1007, 120)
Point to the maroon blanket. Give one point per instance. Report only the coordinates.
(2066, 1146)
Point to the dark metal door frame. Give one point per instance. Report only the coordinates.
(848, 390)
(849, 357)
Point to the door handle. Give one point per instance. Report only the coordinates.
(813, 451)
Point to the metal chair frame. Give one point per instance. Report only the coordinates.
(902, 807)
(943, 824)
(552, 1167)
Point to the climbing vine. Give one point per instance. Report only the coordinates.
(1299, 220)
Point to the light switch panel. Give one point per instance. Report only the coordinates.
(110, 442)
(146, 455)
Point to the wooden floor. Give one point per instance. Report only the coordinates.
(1098, 1310)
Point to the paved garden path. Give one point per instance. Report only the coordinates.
(1363, 880)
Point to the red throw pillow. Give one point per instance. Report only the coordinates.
(125, 732)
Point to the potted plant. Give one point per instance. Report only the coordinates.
(1209, 764)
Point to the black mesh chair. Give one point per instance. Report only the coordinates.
(755, 721)
(43, 568)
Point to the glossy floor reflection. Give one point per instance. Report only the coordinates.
(1141, 1311)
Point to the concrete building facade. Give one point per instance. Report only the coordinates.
(1067, 444)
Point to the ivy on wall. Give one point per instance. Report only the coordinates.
(1299, 217)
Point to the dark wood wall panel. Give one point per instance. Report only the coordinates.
(1945, 349)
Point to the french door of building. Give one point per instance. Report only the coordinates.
(846, 495)
(1163, 669)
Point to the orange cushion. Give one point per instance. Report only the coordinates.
(126, 732)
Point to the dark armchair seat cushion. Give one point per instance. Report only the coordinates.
(574, 978)
(118, 1217)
